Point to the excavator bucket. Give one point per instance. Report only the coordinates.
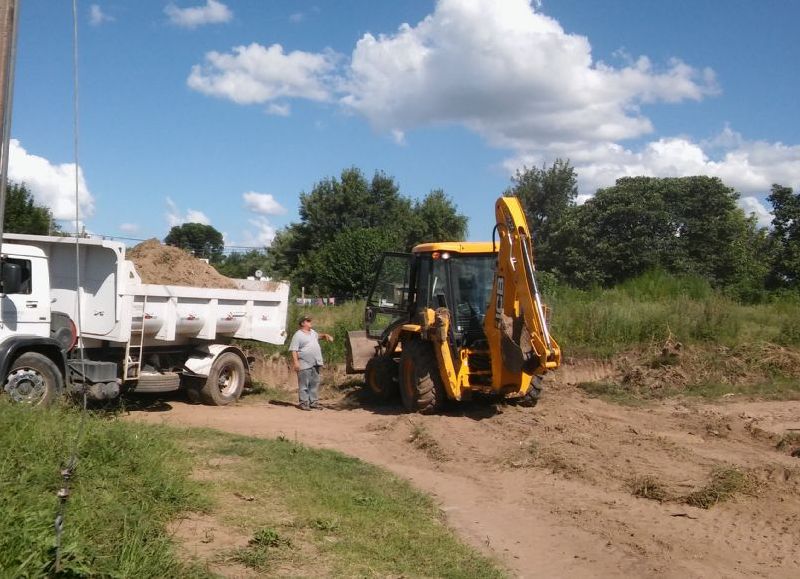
(359, 350)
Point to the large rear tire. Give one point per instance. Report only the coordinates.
(421, 385)
(34, 379)
(381, 376)
(225, 382)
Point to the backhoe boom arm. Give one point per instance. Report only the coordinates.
(516, 321)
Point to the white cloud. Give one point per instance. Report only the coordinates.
(511, 74)
(263, 235)
(754, 206)
(52, 185)
(256, 74)
(750, 167)
(213, 12)
(174, 216)
(129, 227)
(501, 69)
(279, 109)
(514, 76)
(262, 203)
(97, 16)
(296, 17)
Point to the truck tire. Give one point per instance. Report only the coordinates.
(225, 382)
(156, 382)
(421, 385)
(34, 379)
(381, 377)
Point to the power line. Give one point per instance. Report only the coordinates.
(137, 239)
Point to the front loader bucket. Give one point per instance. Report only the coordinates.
(360, 349)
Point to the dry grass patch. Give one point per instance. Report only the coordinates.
(422, 439)
(533, 454)
(725, 484)
(789, 443)
(649, 487)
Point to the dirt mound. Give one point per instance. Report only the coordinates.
(163, 264)
(667, 370)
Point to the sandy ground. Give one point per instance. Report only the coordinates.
(547, 491)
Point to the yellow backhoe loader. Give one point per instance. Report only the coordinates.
(454, 318)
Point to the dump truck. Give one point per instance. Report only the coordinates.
(132, 336)
(452, 319)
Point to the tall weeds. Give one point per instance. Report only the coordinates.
(655, 307)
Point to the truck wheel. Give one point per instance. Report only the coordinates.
(225, 382)
(381, 377)
(34, 379)
(421, 385)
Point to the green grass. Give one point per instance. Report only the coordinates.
(348, 517)
(353, 519)
(130, 481)
(655, 307)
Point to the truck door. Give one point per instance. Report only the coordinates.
(28, 310)
(389, 299)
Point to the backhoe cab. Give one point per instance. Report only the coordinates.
(454, 318)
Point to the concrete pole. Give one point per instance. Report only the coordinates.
(9, 11)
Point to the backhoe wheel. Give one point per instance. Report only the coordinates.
(381, 377)
(225, 382)
(421, 385)
(34, 379)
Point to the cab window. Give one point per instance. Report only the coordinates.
(25, 267)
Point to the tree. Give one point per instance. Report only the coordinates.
(345, 266)
(546, 195)
(24, 215)
(436, 218)
(301, 251)
(785, 237)
(687, 225)
(347, 203)
(243, 265)
(201, 240)
(282, 258)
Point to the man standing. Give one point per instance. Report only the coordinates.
(307, 358)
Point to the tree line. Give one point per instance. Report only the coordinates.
(683, 225)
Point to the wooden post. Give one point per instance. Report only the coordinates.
(8, 47)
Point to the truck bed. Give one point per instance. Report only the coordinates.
(114, 301)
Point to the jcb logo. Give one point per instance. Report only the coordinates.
(498, 301)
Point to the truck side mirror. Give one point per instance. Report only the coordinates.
(10, 277)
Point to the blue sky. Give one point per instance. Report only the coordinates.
(224, 111)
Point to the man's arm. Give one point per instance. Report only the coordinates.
(295, 360)
(326, 337)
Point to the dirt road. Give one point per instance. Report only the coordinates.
(549, 491)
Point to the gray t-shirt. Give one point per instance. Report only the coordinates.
(307, 347)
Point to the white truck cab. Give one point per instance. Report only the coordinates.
(26, 297)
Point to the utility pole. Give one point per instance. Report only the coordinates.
(9, 10)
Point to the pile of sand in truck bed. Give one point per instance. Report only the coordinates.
(167, 265)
